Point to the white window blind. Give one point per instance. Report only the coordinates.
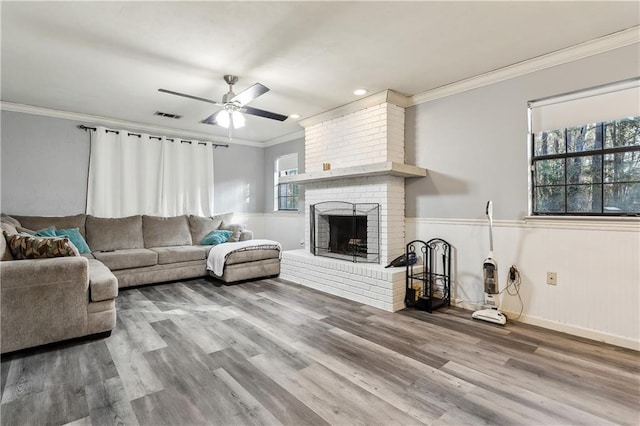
(604, 103)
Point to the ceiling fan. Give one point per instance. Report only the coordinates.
(233, 105)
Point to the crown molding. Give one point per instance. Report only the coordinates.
(583, 50)
(285, 138)
(129, 125)
(386, 96)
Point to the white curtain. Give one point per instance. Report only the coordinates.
(130, 174)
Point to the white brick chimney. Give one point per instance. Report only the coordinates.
(364, 144)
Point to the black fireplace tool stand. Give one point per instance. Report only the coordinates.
(428, 280)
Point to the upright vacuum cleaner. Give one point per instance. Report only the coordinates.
(490, 311)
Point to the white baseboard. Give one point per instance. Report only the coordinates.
(556, 326)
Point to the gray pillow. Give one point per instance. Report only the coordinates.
(105, 234)
(8, 219)
(235, 228)
(7, 229)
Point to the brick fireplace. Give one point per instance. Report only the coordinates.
(364, 144)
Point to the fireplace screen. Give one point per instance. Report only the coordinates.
(346, 231)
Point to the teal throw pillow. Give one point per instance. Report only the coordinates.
(46, 232)
(76, 238)
(215, 237)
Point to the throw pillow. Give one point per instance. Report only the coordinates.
(216, 237)
(27, 247)
(46, 232)
(236, 230)
(76, 238)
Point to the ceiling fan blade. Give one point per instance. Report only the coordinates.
(263, 113)
(184, 95)
(210, 119)
(250, 94)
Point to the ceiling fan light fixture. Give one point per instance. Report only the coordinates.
(222, 119)
(228, 116)
(238, 119)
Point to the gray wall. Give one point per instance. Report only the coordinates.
(45, 162)
(238, 179)
(270, 155)
(474, 144)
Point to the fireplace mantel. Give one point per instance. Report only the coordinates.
(376, 169)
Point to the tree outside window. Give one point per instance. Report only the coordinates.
(592, 169)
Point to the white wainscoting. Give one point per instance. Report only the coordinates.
(598, 265)
(285, 227)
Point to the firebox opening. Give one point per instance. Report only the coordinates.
(348, 235)
(346, 231)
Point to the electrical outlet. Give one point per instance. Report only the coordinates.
(552, 278)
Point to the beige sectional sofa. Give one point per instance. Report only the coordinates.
(48, 300)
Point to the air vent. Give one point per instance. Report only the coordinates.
(167, 115)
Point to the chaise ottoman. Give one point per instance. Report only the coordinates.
(244, 260)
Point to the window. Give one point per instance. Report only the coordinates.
(589, 168)
(286, 194)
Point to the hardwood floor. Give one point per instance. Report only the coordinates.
(271, 352)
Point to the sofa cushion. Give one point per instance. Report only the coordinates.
(223, 217)
(201, 226)
(28, 247)
(105, 234)
(244, 256)
(60, 222)
(127, 258)
(166, 231)
(177, 254)
(103, 285)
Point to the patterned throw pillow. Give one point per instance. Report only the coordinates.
(28, 247)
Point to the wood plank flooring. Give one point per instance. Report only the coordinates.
(270, 352)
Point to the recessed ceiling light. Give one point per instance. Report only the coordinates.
(360, 92)
(294, 116)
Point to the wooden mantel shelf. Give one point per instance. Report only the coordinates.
(376, 169)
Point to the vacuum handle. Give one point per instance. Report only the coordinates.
(489, 213)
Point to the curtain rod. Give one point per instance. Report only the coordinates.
(117, 132)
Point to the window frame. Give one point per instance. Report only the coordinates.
(293, 186)
(278, 186)
(593, 153)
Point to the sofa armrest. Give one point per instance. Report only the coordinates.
(43, 301)
(246, 235)
(39, 272)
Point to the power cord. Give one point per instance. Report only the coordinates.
(513, 286)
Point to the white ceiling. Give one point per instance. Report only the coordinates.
(109, 58)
